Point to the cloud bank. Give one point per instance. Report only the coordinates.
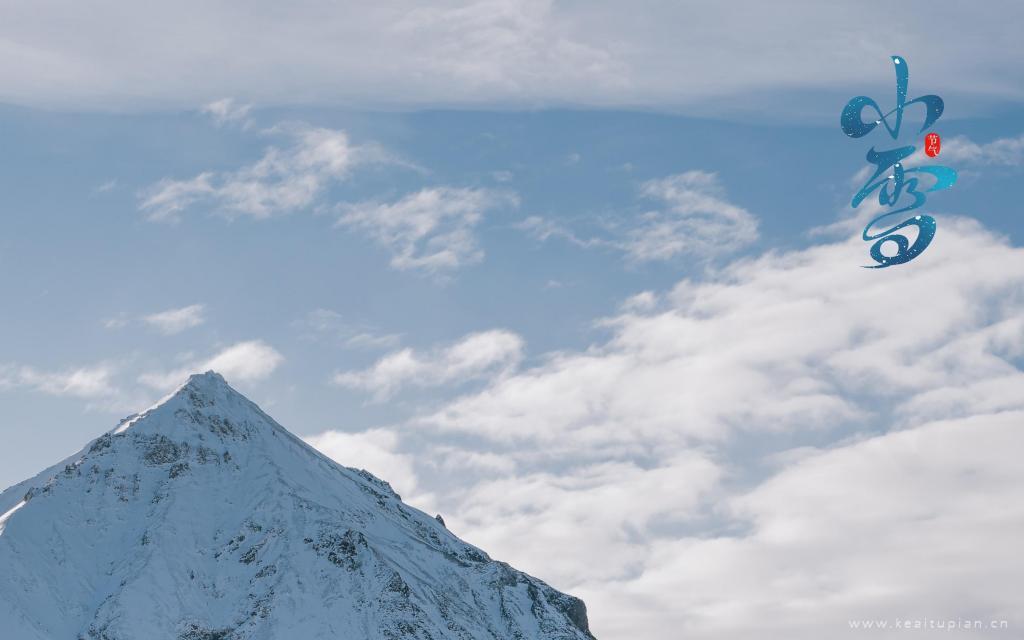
(485, 52)
(789, 445)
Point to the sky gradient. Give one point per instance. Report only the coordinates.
(584, 280)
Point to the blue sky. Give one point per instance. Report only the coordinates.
(586, 284)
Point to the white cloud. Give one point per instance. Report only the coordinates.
(755, 316)
(958, 152)
(572, 518)
(175, 321)
(432, 229)
(245, 361)
(374, 451)
(111, 386)
(284, 180)
(474, 356)
(109, 185)
(1007, 151)
(915, 524)
(82, 382)
(226, 111)
(370, 340)
(643, 301)
(694, 218)
(118, 321)
(792, 443)
(520, 52)
(241, 362)
(545, 229)
(457, 459)
(168, 198)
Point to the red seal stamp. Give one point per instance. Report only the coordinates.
(932, 144)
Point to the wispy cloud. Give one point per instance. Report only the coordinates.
(475, 356)
(175, 321)
(545, 229)
(694, 218)
(168, 198)
(645, 301)
(1006, 152)
(243, 362)
(286, 179)
(118, 321)
(226, 111)
(960, 152)
(119, 386)
(109, 185)
(333, 327)
(431, 230)
(83, 382)
(168, 322)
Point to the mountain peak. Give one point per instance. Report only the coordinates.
(203, 518)
(205, 402)
(208, 380)
(210, 386)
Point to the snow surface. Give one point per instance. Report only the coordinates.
(203, 519)
(7, 516)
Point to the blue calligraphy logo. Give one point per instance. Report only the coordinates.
(899, 188)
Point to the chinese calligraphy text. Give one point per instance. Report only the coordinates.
(898, 186)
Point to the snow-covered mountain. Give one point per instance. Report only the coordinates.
(203, 519)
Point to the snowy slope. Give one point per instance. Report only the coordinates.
(203, 519)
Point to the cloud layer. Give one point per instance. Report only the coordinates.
(474, 356)
(526, 52)
(794, 443)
